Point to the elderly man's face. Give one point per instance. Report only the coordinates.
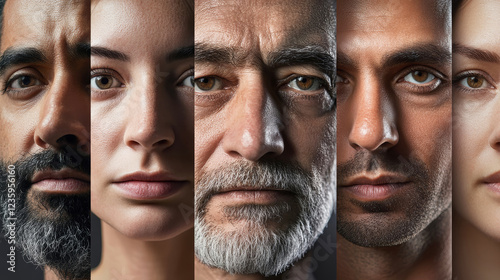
(265, 131)
(394, 124)
(44, 127)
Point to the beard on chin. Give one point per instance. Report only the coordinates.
(266, 239)
(52, 230)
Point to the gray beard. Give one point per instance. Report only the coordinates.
(255, 247)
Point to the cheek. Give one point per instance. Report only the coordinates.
(426, 134)
(17, 129)
(106, 135)
(208, 137)
(313, 142)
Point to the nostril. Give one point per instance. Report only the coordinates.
(68, 139)
(161, 143)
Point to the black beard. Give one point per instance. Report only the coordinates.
(52, 230)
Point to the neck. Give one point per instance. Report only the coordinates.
(127, 258)
(49, 274)
(425, 256)
(475, 254)
(300, 270)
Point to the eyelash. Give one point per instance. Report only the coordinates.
(7, 88)
(459, 77)
(423, 88)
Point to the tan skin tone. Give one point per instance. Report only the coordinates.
(142, 118)
(32, 117)
(242, 117)
(381, 105)
(476, 220)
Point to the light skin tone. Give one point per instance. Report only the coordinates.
(142, 118)
(476, 134)
(394, 108)
(45, 95)
(248, 109)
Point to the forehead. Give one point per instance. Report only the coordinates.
(382, 26)
(142, 24)
(265, 25)
(477, 24)
(43, 22)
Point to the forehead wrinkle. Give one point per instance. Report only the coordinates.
(272, 23)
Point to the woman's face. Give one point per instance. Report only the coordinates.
(476, 97)
(142, 116)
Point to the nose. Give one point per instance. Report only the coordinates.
(494, 139)
(149, 125)
(253, 124)
(374, 117)
(65, 116)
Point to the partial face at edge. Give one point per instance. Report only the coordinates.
(476, 98)
(44, 126)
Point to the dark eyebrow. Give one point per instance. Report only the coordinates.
(108, 53)
(181, 53)
(214, 54)
(425, 53)
(81, 50)
(294, 56)
(476, 54)
(310, 55)
(16, 56)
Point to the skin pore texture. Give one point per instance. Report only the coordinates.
(476, 140)
(394, 140)
(142, 124)
(44, 127)
(265, 127)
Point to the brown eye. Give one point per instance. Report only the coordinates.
(103, 82)
(24, 82)
(206, 84)
(306, 83)
(475, 81)
(419, 77)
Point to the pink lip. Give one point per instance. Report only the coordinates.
(493, 182)
(64, 181)
(492, 179)
(148, 185)
(370, 188)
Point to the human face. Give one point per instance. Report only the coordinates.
(394, 125)
(142, 116)
(476, 132)
(44, 126)
(265, 126)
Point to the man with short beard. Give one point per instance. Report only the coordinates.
(394, 139)
(265, 134)
(44, 127)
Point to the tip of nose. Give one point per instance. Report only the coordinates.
(372, 140)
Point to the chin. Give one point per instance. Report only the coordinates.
(150, 223)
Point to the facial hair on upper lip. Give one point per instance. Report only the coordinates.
(234, 251)
(43, 219)
(366, 162)
(265, 174)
